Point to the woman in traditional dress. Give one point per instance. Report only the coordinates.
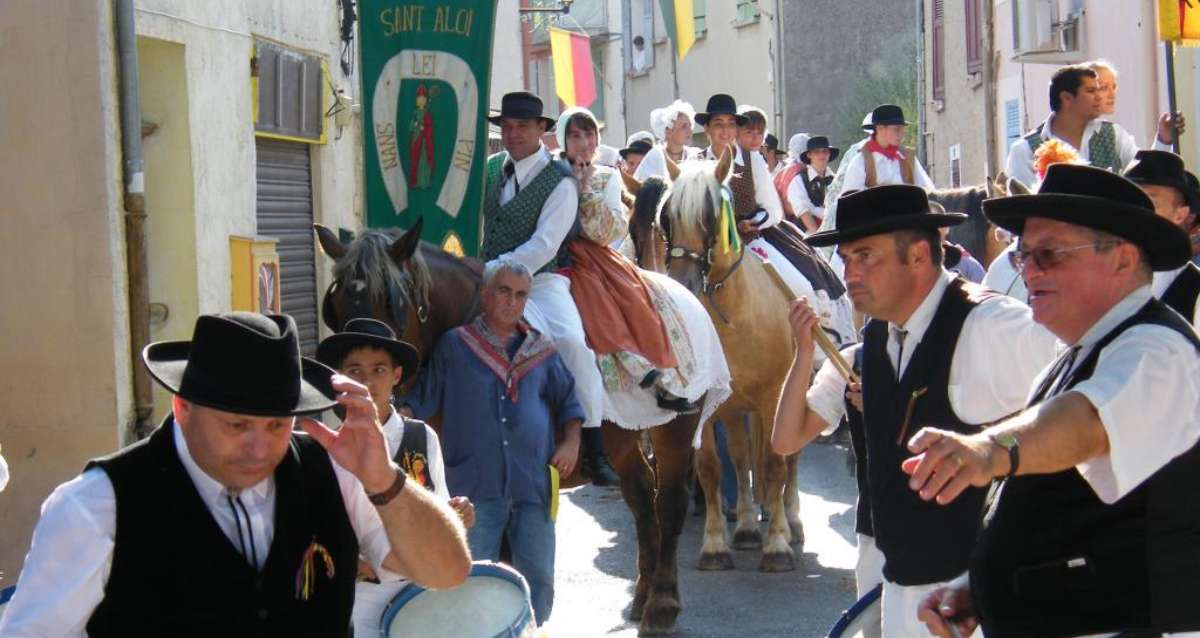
(630, 321)
(673, 126)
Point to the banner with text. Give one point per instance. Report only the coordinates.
(425, 70)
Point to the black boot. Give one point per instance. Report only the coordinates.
(596, 461)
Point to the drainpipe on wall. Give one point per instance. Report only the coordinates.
(780, 116)
(135, 218)
(921, 108)
(989, 91)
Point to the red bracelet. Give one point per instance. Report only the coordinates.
(386, 496)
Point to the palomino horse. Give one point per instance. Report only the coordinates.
(749, 308)
(422, 292)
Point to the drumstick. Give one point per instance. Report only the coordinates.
(834, 355)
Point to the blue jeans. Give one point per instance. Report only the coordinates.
(530, 536)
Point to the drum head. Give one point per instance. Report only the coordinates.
(494, 602)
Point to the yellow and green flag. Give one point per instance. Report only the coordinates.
(680, 19)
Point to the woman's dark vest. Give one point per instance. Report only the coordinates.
(816, 188)
(1055, 560)
(922, 542)
(175, 573)
(1181, 295)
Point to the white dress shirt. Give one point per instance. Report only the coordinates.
(798, 195)
(1146, 389)
(556, 219)
(999, 353)
(887, 171)
(1163, 280)
(69, 560)
(1020, 156)
(764, 186)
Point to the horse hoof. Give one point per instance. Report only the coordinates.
(716, 562)
(638, 608)
(797, 535)
(747, 539)
(781, 562)
(659, 619)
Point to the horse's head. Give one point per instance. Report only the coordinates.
(649, 244)
(689, 222)
(369, 277)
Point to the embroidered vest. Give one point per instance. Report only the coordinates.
(507, 227)
(1181, 295)
(907, 157)
(1055, 560)
(1102, 148)
(175, 573)
(922, 542)
(741, 184)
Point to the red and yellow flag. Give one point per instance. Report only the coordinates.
(574, 80)
(1179, 21)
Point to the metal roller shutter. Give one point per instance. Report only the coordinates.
(285, 212)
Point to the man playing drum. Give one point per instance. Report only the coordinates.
(225, 521)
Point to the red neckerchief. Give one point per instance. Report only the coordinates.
(891, 152)
(492, 352)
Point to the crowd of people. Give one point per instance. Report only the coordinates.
(1026, 452)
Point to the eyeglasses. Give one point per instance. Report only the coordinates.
(1047, 258)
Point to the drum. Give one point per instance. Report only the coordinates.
(493, 603)
(864, 619)
(5, 596)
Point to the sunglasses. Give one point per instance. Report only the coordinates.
(1047, 258)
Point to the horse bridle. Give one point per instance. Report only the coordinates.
(704, 262)
(395, 291)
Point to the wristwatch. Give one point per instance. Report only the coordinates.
(385, 497)
(1008, 441)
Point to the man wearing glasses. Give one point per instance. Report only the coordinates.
(1096, 525)
(938, 350)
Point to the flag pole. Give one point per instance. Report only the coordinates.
(1171, 103)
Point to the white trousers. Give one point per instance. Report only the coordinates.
(900, 606)
(868, 571)
(551, 310)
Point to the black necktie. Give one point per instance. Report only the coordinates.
(510, 172)
(900, 336)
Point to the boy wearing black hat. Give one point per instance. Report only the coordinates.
(368, 352)
(1162, 176)
(884, 160)
(226, 521)
(937, 350)
(636, 148)
(774, 155)
(1094, 529)
(808, 189)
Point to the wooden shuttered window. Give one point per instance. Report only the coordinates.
(974, 29)
(938, 51)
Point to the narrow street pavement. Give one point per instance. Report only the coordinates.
(597, 552)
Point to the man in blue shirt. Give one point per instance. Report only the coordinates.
(503, 391)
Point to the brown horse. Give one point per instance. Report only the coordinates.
(749, 306)
(422, 292)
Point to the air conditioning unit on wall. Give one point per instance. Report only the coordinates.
(1048, 31)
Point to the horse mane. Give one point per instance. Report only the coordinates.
(646, 207)
(693, 197)
(368, 259)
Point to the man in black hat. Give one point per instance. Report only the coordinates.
(884, 159)
(1162, 176)
(1095, 527)
(806, 193)
(937, 349)
(226, 521)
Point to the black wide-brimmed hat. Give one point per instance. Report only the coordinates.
(885, 114)
(368, 332)
(637, 147)
(818, 142)
(243, 363)
(721, 104)
(521, 105)
(771, 143)
(1163, 168)
(883, 209)
(1097, 199)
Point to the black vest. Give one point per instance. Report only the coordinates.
(175, 573)
(816, 190)
(1054, 560)
(858, 444)
(1181, 294)
(922, 542)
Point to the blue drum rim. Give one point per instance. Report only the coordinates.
(482, 568)
(6, 594)
(853, 612)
